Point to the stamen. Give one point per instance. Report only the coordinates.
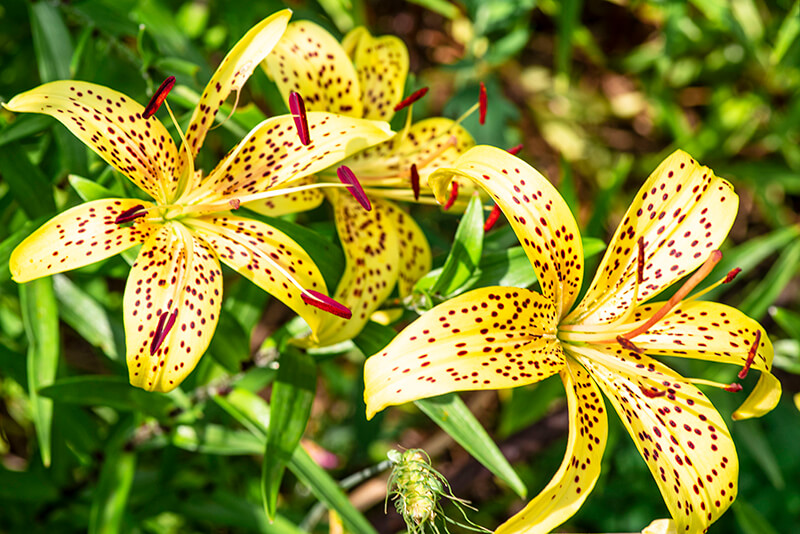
(514, 150)
(235, 203)
(679, 295)
(492, 218)
(416, 95)
(482, 102)
(159, 97)
(325, 303)
(349, 179)
(131, 214)
(453, 195)
(653, 393)
(627, 344)
(731, 275)
(163, 328)
(415, 181)
(750, 356)
(733, 388)
(640, 262)
(298, 110)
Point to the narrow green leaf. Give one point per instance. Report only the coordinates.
(231, 510)
(750, 519)
(112, 391)
(230, 346)
(26, 486)
(568, 19)
(247, 408)
(752, 435)
(89, 190)
(443, 7)
(788, 320)
(24, 125)
(466, 251)
(216, 439)
(86, 316)
(29, 186)
(51, 42)
(772, 285)
(292, 396)
(787, 34)
(116, 476)
(40, 316)
(450, 413)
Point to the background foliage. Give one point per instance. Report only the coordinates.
(598, 92)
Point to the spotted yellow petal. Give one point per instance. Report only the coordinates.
(683, 212)
(111, 124)
(231, 75)
(265, 255)
(369, 241)
(176, 274)
(80, 236)
(713, 332)
(537, 213)
(489, 338)
(677, 430)
(580, 468)
(412, 246)
(310, 61)
(382, 67)
(296, 202)
(426, 144)
(272, 154)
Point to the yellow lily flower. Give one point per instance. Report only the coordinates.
(365, 76)
(173, 294)
(497, 337)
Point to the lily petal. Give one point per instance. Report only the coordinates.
(231, 75)
(412, 246)
(540, 217)
(272, 154)
(389, 163)
(267, 256)
(111, 124)
(489, 338)
(713, 332)
(580, 468)
(382, 67)
(80, 236)
(176, 276)
(683, 212)
(297, 202)
(370, 246)
(310, 61)
(676, 429)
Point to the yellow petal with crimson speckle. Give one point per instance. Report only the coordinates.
(80, 236)
(231, 75)
(382, 67)
(111, 124)
(265, 255)
(714, 332)
(310, 61)
(369, 241)
(177, 274)
(537, 213)
(412, 246)
(580, 468)
(489, 338)
(297, 202)
(677, 430)
(683, 212)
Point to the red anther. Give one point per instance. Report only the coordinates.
(415, 181)
(731, 275)
(131, 214)
(453, 195)
(492, 218)
(298, 110)
(413, 97)
(482, 104)
(653, 393)
(235, 203)
(347, 177)
(159, 97)
(751, 354)
(627, 344)
(325, 303)
(640, 261)
(514, 150)
(733, 388)
(163, 328)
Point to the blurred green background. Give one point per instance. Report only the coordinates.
(598, 92)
